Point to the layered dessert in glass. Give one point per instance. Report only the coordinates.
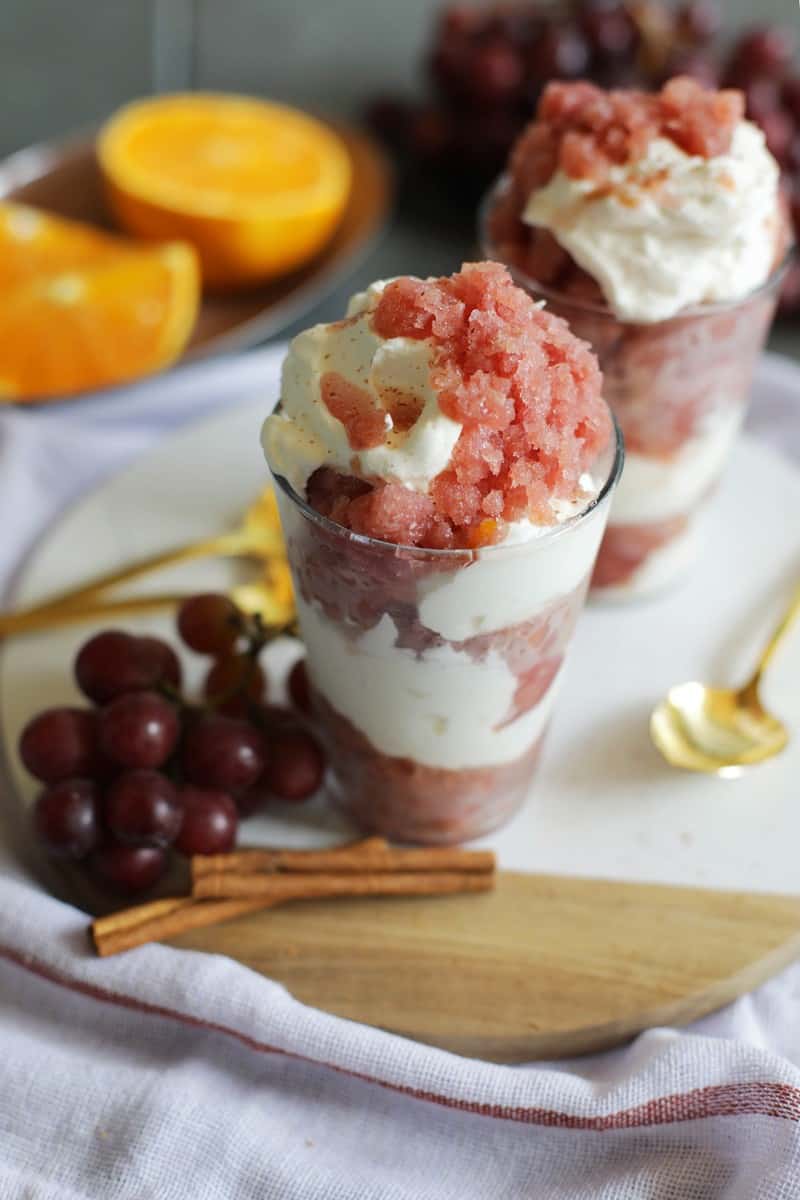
(444, 463)
(654, 225)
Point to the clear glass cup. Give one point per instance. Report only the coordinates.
(433, 672)
(679, 389)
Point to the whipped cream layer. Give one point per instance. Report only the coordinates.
(444, 707)
(507, 585)
(304, 435)
(441, 708)
(669, 230)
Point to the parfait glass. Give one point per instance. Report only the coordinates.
(434, 672)
(679, 389)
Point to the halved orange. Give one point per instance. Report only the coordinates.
(80, 309)
(256, 187)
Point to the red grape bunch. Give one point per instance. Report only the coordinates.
(145, 771)
(487, 66)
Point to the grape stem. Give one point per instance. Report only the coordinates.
(258, 635)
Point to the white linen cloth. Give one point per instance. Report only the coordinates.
(170, 1075)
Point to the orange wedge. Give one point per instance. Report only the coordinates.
(256, 187)
(80, 309)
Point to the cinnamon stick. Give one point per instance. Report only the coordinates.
(278, 888)
(275, 858)
(373, 856)
(163, 919)
(225, 886)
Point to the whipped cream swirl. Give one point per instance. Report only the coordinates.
(304, 434)
(670, 230)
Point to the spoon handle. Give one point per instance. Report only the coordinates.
(37, 620)
(778, 634)
(238, 541)
(245, 596)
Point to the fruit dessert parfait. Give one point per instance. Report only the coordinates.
(653, 223)
(445, 463)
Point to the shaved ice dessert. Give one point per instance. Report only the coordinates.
(445, 462)
(654, 225)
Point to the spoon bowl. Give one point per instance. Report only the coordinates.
(722, 730)
(715, 730)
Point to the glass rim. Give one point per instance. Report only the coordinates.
(548, 532)
(547, 293)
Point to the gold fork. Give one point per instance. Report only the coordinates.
(257, 536)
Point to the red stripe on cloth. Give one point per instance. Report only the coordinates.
(755, 1099)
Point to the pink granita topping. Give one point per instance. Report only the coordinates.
(586, 131)
(526, 391)
(355, 408)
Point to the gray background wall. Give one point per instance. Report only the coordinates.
(65, 63)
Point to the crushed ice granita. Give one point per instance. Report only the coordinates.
(586, 132)
(444, 464)
(527, 395)
(653, 224)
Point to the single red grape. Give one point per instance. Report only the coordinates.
(762, 96)
(224, 753)
(778, 131)
(138, 730)
(298, 687)
(272, 717)
(169, 664)
(296, 765)
(252, 801)
(60, 743)
(113, 663)
(210, 821)
(793, 165)
(496, 73)
(698, 21)
(792, 194)
(65, 818)
(610, 30)
(697, 64)
(128, 868)
(100, 663)
(790, 292)
(560, 52)
(458, 21)
(450, 68)
(790, 96)
(238, 677)
(142, 808)
(515, 23)
(209, 623)
(765, 51)
(390, 118)
(485, 138)
(431, 134)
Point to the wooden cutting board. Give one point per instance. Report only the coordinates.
(545, 966)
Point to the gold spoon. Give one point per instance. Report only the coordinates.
(260, 596)
(721, 730)
(257, 536)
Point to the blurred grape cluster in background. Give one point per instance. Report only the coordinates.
(486, 67)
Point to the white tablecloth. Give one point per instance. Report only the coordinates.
(168, 1075)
